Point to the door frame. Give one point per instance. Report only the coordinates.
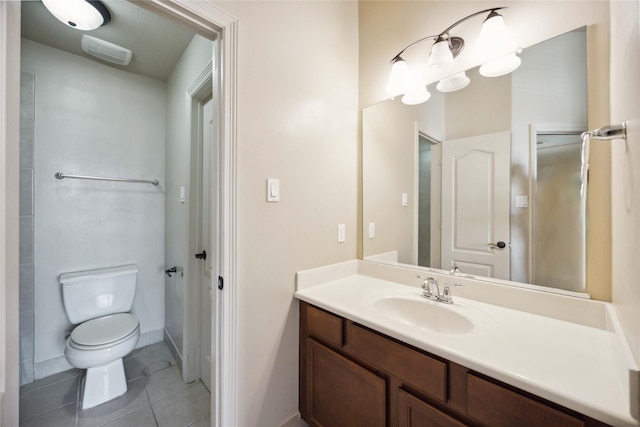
(207, 19)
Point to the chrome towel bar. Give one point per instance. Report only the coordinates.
(610, 132)
(61, 175)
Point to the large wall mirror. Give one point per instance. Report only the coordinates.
(487, 177)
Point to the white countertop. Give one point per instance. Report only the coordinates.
(567, 363)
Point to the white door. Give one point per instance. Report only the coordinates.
(208, 243)
(475, 204)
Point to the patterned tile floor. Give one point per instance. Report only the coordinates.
(156, 396)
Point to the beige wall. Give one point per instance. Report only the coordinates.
(390, 161)
(297, 121)
(625, 165)
(405, 22)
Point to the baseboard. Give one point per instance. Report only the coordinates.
(294, 421)
(173, 349)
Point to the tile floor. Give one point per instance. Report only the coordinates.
(156, 396)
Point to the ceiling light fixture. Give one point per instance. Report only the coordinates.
(495, 48)
(79, 14)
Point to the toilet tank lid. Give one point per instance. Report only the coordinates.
(98, 274)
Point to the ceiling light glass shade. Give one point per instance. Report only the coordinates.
(440, 55)
(494, 40)
(398, 77)
(417, 95)
(79, 14)
(501, 66)
(453, 83)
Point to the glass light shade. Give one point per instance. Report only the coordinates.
(440, 55)
(397, 82)
(501, 66)
(78, 14)
(417, 95)
(494, 40)
(453, 83)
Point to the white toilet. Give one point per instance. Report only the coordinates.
(98, 302)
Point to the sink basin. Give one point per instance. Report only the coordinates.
(430, 315)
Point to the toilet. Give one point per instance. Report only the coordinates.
(98, 303)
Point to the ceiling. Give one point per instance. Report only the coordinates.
(157, 43)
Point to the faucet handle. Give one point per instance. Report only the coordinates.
(447, 297)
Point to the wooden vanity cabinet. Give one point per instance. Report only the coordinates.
(353, 376)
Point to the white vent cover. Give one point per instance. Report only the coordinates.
(106, 51)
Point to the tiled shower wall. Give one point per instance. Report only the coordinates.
(27, 210)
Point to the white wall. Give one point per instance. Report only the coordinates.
(625, 186)
(178, 151)
(92, 119)
(297, 121)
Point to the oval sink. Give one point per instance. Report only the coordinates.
(433, 316)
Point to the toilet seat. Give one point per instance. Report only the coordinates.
(104, 331)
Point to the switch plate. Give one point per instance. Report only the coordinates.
(522, 201)
(273, 190)
(405, 199)
(372, 230)
(341, 233)
(182, 194)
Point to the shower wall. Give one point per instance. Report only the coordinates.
(92, 119)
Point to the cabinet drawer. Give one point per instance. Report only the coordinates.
(425, 373)
(413, 412)
(496, 406)
(324, 326)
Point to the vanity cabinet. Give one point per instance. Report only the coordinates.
(353, 376)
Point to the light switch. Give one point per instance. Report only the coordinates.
(522, 201)
(273, 190)
(405, 199)
(341, 233)
(372, 230)
(182, 194)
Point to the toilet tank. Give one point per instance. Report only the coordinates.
(95, 293)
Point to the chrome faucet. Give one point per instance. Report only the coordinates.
(431, 290)
(428, 286)
(454, 268)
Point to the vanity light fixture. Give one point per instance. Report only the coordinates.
(79, 14)
(494, 45)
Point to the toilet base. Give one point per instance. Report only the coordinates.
(103, 383)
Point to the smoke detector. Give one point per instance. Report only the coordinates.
(105, 50)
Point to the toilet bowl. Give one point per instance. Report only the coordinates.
(98, 302)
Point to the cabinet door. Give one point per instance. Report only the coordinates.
(413, 412)
(341, 392)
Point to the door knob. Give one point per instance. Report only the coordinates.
(202, 255)
(499, 245)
